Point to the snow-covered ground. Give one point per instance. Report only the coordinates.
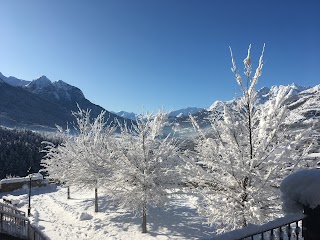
(62, 219)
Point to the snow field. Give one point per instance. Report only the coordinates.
(63, 219)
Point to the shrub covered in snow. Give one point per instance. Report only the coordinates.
(301, 189)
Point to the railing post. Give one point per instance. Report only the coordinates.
(311, 224)
(28, 226)
(29, 203)
(1, 229)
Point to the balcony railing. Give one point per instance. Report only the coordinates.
(285, 228)
(14, 223)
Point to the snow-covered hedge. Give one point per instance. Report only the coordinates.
(35, 176)
(301, 189)
(10, 184)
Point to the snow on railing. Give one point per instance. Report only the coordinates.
(282, 228)
(13, 222)
(7, 208)
(35, 234)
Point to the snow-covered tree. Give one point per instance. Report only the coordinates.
(95, 150)
(86, 157)
(59, 160)
(245, 154)
(147, 165)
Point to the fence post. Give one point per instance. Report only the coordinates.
(311, 224)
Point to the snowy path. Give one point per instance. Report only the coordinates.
(74, 219)
(61, 219)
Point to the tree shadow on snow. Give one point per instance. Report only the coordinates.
(180, 221)
(34, 190)
(105, 203)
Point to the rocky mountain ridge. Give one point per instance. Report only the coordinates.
(42, 104)
(303, 105)
(184, 112)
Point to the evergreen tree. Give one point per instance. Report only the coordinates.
(19, 150)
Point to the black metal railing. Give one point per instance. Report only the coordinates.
(286, 228)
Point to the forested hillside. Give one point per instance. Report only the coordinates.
(19, 150)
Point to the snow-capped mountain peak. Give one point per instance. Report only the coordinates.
(291, 89)
(174, 114)
(45, 88)
(315, 89)
(61, 84)
(264, 94)
(13, 81)
(185, 111)
(216, 105)
(43, 78)
(39, 83)
(128, 115)
(58, 90)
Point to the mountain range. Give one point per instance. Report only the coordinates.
(173, 114)
(303, 104)
(41, 104)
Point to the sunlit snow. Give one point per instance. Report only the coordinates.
(60, 218)
(301, 189)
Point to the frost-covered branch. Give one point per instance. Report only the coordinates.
(148, 165)
(245, 156)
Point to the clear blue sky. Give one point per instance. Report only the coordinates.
(139, 55)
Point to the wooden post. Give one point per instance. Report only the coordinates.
(311, 224)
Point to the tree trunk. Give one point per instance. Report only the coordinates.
(68, 192)
(250, 131)
(96, 199)
(144, 220)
